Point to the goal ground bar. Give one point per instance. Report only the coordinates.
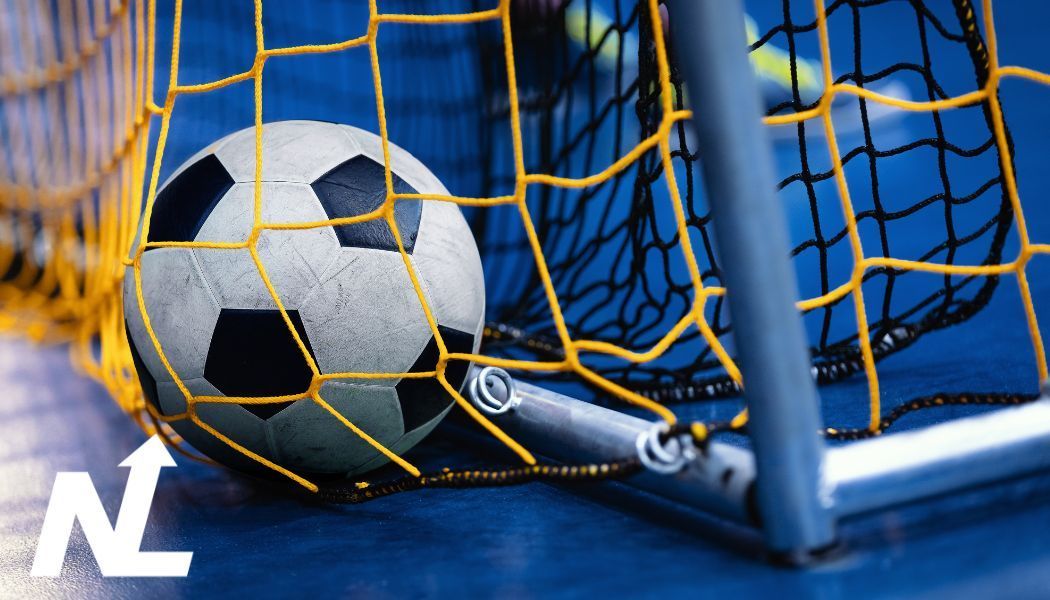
(893, 469)
(857, 478)
(573, 431)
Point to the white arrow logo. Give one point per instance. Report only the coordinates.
(116, 548)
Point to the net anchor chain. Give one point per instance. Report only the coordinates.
(664, 457)
(493, 391)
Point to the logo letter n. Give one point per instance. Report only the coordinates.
(116, 548)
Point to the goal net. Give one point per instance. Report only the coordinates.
(561, 127)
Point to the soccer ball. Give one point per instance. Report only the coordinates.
(346, 290)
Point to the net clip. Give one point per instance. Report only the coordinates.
(493, 391)
(665, 454)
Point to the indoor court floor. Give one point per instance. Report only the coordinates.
(534, 540)
(541, 540)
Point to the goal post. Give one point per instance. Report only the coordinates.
(751, 233)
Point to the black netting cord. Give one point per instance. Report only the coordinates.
(360, 492)
(643, 287)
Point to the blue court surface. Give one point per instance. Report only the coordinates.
(541, 540)
(528, 541)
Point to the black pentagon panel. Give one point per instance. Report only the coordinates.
(253, 354)
(357, 187)
(146, 380)
(182, 207)
(423, 399)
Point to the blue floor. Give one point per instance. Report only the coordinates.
(538, 539)
(527, 541)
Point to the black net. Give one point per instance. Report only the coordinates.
(613, 257)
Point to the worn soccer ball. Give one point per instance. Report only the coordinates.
(346, 289)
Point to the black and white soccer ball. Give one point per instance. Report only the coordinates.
(346, 290)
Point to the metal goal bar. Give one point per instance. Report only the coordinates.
(862, 477)
(790, 485)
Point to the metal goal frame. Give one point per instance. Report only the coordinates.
(790, 485)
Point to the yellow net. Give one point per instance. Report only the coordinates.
(71, 194)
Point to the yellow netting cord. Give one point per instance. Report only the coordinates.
(78, 192)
